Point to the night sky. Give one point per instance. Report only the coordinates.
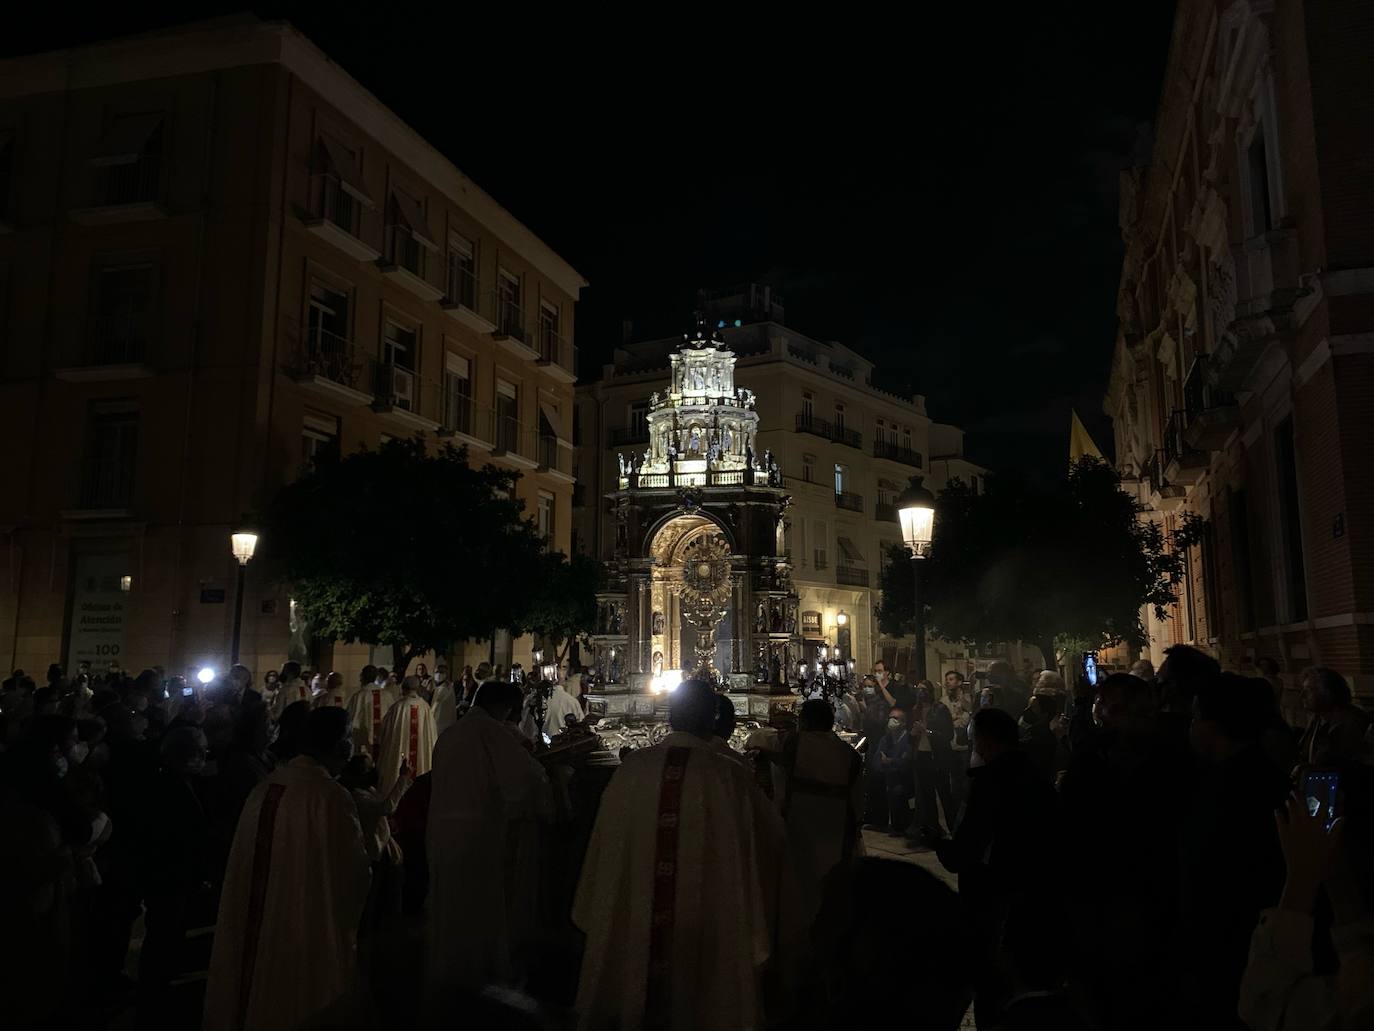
(937, 191)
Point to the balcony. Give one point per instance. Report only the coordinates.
(885, 512)
(336, 217)
(411, 265)
(513, 442)
(554, 458)
(115, 348)
(849, 502)
(511, 332)
(1164, 496)
(557, 355)
(835, 432)
(851, 576)
(894, 452)
(1212, 414)
(407, 397)
(631, 435)
(333, 367)
(1183, 464)
(464, 301)
(124, 192)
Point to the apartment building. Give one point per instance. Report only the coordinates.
(1242, 389)
(221, 258)
(846, 448)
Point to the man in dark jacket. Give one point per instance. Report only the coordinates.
(1003, 851)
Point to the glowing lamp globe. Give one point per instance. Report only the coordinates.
(243, 544)
(916, 510)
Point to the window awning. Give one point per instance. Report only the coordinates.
(550, 418)
(852, 555)
(412, 212)
(344, 164)
(127, 140)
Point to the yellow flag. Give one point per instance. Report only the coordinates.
(1080, 444)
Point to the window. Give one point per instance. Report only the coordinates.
(577, 426)
(809, 468)
(457, 393)
(111, 453)
(6, 172)
(880, 431)
(123, 319)
(340, 188)
(639, 421)
(319, 440)
(548, 332)
(818, 547)
(508, 315)
(1291, 521)
(841, 478)
(850, 552)
(407, 232)
(973, 484)
(550, 419)
(808, 405)
(400, 359)
(545, 518)
(1211, 588)
(1257, 162)
(1240, 557)
(906, 437)
(128, 165)
(507, 417)
(462, 272)
(839, 417)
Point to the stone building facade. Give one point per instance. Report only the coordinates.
(221, 257)
(1242, 385)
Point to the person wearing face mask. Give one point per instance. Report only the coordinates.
(896, 761)
(367, 708)
(875, 715)
(332, 692)
(290, 689)
(285, 948)
(173, 840)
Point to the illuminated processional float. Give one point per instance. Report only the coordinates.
(700, 583)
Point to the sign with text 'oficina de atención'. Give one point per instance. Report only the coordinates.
(99, 607)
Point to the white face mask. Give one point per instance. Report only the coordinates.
(59, 766)
(894, 725)
(439, 677)
(78, 752)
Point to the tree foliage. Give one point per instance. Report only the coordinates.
(1036, 563)
(398, 547)
(562, 603)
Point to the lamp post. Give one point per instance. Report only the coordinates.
(916, 510)
(242, 544)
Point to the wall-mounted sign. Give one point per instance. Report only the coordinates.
(811, 624)
(98, 608)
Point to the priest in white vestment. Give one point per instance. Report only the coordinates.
(823, 798)
(681, 885)
(290, 688)
(366, 711)
(447, 695)
(408, 735)
(559, 707)
(284, 951)
(333, 692)
(485, 790)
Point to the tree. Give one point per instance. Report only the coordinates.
(563, 601)
(401, 548)
(1019, 562)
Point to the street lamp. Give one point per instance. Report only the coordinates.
(242, 544)
(916, 510)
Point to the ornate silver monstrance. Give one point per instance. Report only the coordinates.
(705, 590)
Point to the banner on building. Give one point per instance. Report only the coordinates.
(99, 607)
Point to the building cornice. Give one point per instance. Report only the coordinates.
(217, 46)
